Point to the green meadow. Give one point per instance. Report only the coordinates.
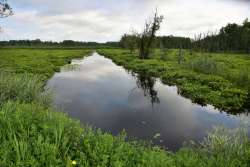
(42, 62)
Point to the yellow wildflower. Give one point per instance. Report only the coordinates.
(73, 162)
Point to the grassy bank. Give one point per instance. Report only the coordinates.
(34, 134)
(219, 79)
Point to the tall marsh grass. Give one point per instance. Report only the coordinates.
(205, 65)
(23, 87)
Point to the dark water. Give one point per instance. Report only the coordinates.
(106, 96)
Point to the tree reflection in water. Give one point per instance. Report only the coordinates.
(146, 83)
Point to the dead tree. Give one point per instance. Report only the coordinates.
(147, 38)
(5, 9)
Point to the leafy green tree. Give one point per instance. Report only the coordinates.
(129, 41)
(232, 37)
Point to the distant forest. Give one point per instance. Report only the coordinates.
(231, 38)
(65, 43)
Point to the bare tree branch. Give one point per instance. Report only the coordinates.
(5, 9)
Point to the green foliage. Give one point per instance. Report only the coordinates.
(129, 41)
(233, 37)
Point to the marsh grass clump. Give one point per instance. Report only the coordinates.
(227, 143)
(24, 88)
(164, 55)
(222, 147)
(205, 65)
(243, 79)
(180, 56)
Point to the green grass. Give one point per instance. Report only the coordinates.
(24, 88)
(37, 61)
(33, 134)
(222, 80)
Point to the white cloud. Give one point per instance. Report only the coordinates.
(107, 20)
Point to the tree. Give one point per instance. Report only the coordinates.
(129, 41)
(147, 38)
(5, 9)
(232, 37)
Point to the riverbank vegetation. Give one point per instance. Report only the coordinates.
(33, 133)
(219, 79)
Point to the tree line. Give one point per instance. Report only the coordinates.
(169, 42)
(231, 38)
(65, 43)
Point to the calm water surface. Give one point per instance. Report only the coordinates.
(104, 95)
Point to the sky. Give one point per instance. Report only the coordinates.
(107, 20)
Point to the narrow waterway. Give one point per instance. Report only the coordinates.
(101, 94)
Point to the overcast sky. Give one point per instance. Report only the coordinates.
(107, 20)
